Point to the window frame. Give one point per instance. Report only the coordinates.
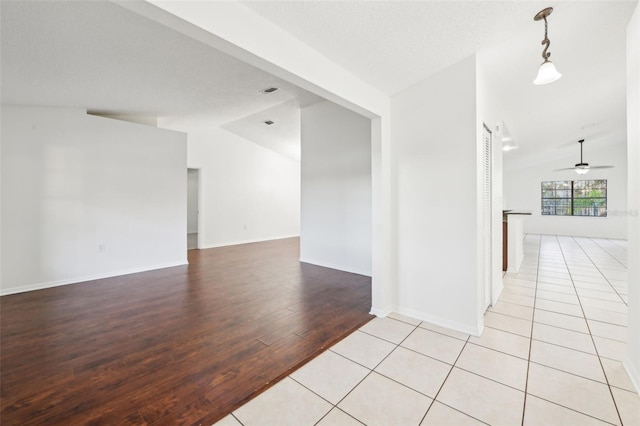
(551, 204)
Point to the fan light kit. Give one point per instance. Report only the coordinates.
(547, 72)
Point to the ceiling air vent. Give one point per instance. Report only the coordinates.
(269, 90)
(268, 122)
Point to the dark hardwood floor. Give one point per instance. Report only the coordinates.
(182, 345)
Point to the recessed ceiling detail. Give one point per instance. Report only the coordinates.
(103, 57)
(283, 138)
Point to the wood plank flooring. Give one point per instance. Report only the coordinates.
(183, 345)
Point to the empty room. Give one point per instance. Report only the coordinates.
(320, 212)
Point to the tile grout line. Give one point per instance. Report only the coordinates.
(574, 410)
(512, 316)
(435, 397)
(609, 254)
(237, 419)
(505, 331)
(596, 266)
(585, 318)
(489, 378)
(499, 351)
(589, 328)
(567, 372)
(372, 370)
(331, 403)
(555, 403)
(533, 317)
(565, 347)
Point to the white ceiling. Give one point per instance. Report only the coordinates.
(100, 56)
(393, 45)
(282, 136)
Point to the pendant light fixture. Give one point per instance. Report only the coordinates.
(547, 72)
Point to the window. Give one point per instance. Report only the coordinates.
(575, 198)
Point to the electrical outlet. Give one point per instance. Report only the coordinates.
(102, 247)
(244, 227)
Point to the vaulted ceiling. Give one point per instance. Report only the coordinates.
(100, 56)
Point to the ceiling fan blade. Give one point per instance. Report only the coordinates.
(582, 165)
(591, 167)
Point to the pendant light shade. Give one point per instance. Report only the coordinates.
(547, 72)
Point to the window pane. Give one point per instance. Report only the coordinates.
(577, 198)
(547, 186)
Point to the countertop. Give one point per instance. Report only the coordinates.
(506, 213)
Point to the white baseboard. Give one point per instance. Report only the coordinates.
(464, 328)
(634, 374)
(381, 312)
(345, 268)
(495, 297)
(76, 280)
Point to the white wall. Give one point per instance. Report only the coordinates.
(248, 193)
(632, 361)
(336, 188)
(489, 112)
(86, 197)
(192, 201)
(243, 34)
(522, 192)
(435, 134)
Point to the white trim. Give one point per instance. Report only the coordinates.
(78, 280)
(634, 375)
(344, 268)
(380, 312)
(497, 291)
(453, 325)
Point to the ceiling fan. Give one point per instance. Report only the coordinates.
(583, 168)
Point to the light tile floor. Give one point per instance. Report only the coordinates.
(550, 354)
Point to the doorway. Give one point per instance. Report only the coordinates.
(193, 183)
